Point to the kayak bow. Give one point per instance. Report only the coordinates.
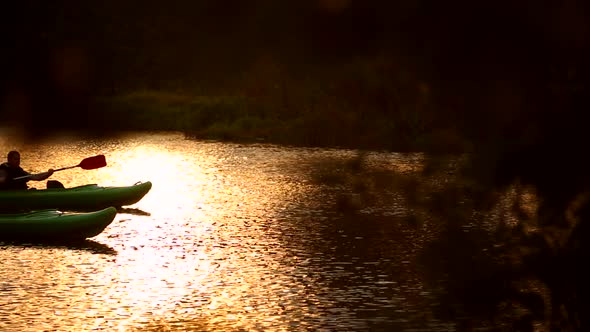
(55, 225)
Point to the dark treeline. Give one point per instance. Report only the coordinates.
(507, 80)
(428, 67)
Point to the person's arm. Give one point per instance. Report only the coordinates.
(42, 176)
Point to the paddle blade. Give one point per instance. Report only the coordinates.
(93, 162)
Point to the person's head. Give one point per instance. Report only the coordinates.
(14, 158)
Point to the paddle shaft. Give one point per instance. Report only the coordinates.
(55, 170)
(64, 168)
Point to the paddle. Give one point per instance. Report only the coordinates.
(88, 163)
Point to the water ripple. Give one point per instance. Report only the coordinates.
(231, 237)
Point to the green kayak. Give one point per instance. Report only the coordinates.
(89, 197)
(55, 225)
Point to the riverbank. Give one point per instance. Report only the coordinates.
(323, 123)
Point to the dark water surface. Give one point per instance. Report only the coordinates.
(231, 237)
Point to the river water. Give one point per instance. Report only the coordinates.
(231, 237)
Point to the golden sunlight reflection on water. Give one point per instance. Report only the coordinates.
(230, 237)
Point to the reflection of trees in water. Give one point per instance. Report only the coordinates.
(490, 272)
(379, 255)
(477, 259)
(488, 268)
(364, 244)
(505, 244)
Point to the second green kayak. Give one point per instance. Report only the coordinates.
(83, 198)
(55, 225)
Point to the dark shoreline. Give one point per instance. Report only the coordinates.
(248, 120)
